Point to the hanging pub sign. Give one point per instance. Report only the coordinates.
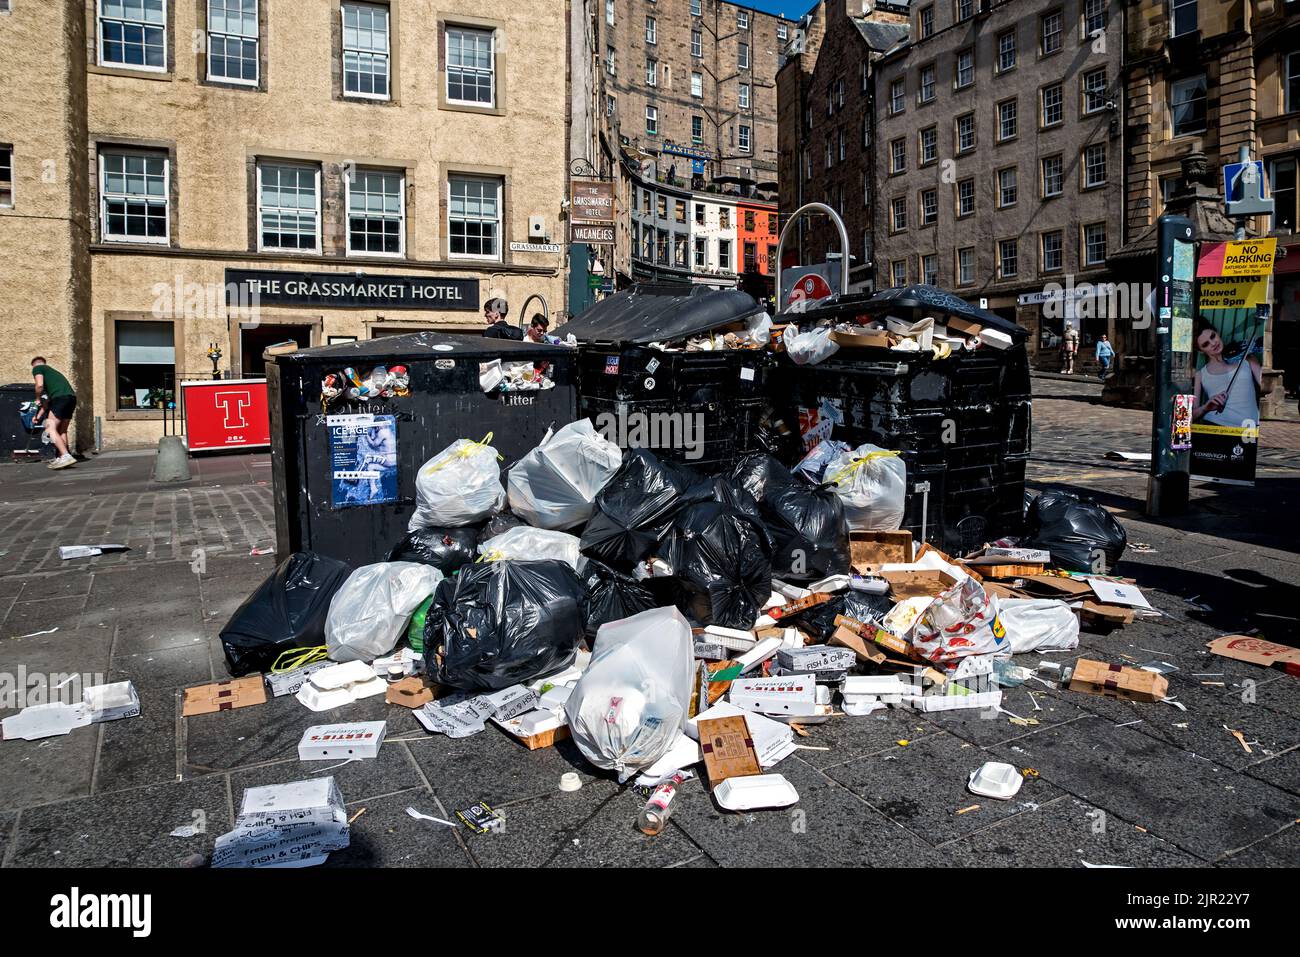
(274, 287)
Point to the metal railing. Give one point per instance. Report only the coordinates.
(174, 398)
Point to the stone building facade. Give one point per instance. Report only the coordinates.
(999, 162)
(198, 140)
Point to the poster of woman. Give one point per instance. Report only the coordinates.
(1228, 376)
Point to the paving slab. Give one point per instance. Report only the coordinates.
(386, 836)
(853, 737)
(52, 769)
(159, 625)
(1203, 808)
(1064, 832)
(140, 750)
(1282, 771)
(829, 827)
(26, 617)
(1280, 850)
(984, 728)
(165, 668)
(124, 828)
(8, 821)
(922, 787)
(391, 771)
(32, 667)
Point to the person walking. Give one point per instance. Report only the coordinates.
(1069, 347)
(57, 402)
(1105, 352)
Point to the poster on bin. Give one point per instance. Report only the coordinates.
(1227, 364)
(363, 459)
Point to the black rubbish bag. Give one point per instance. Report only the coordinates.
(286, 611)
(446, 549)
(1079, 533)
(758, 472)
(819, 621)
(499, 523)
(502, 623)
(810, 535)
(614, 595)
(635, 508)
(722, 559)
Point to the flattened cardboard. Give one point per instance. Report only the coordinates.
(728, 749)
(1118, 681)
(848, 638)
(922, 583)
(963, 327)
(1257, 651)
(871, 549)
(867, 339)
(1057, 586)
(411, 692)
(223, 696)
(1095, 612)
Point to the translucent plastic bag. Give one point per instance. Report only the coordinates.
(525, 543)
(962, 621)
(554, 486)
(631, 703)
(872, 484)
(458, 486)
(369, 613)
(1039, 624)
(811, 347)
(815, 464)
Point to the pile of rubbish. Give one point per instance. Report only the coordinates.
(816, 341)
(669, 623)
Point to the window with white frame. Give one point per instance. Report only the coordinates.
(1291, 93)
(1094, 244)
(1094, 91)
(652, 120)
(742, 20)
(742, 56)
(145, 363)
(1052, 251)
(782, 32)
(966, 266)
(1007, 123)
(897, 95)
(898, 273)
(6, 176)
(288, 206)
(697, 84)
(927, 142)
(1182, 17)
(701, 254)
(926, 93)
(609, 12)
(965, 133)
(897, 155)
(930, 270)
(744, 96)
(651, 72)
(965, 9)
(898, 214)
(840, 138)
(365, 50)
(1094, 165)
(609, 60)
(610, 105)
(133, 196)
(830, 153)
(376, 212)
(695, 8)
(929, 207)
(724, 255)
(965, 197)
(474, 217)
(1094, 16)
(650, 30)
(1187, 105)
(927, 22)
(1006, 51)
(133, 33)
(1049, 32)
(964, 73)
(1053, 111)
(697, 44)
(471, 66)
(1008, 192)
(697, 131)
(839, 94)
(1053, 175)
(232, 41)
(1008, 258)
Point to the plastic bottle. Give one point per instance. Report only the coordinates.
(654, 816)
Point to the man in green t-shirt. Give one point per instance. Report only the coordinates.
(58, 401)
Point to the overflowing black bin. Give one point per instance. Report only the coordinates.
(961, 423)
(446, 403)
(626, 382)
(14, 436)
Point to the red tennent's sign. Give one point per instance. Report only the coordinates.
(226, 414)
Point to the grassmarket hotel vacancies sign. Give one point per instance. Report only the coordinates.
(350, 290)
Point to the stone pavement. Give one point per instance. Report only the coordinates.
(1118, 783)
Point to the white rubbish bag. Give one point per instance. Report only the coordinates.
(527, 544)
(1039, 624)
(872, 484)
(815, 465)
(811, 347)
(370, 610)
(962, 621)
(631, 703)
(458, 486)
(555, 485)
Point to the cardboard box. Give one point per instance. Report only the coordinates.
(797, 695)
(1057, 586)
(728, 749)
(1118, 681)
(920, 583)
(412, 692)
(963, 327)
(1096, 613)
(327, 742)
(866, 339)
(223, 696)
(871, 549)
(1257, 651)
(815, 658)
(848, 638)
